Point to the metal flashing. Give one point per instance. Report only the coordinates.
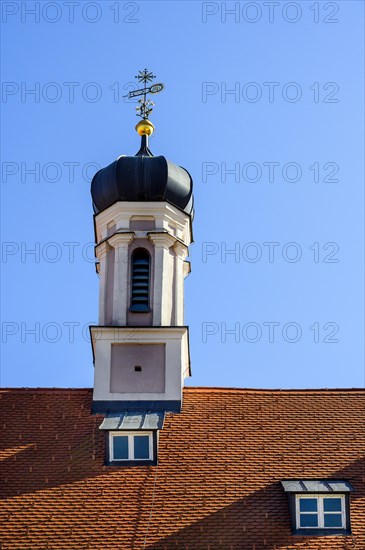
(316, 486)
(133, 420)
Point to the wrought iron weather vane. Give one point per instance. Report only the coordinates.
(145, 106)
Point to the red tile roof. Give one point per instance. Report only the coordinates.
(217, 483)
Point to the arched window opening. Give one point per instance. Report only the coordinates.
(141, 275)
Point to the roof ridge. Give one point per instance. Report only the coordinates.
(203, 389)
(30, 389)
(270, 390)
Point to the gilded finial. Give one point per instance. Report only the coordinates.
(145, 127)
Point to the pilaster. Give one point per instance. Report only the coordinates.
(163, 278)
(120, 243)
(101, 251)
(181, 252)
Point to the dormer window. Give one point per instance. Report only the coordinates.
(140, 280)
(319, 507)
(130, 446)
(131, 437)
(321, 511)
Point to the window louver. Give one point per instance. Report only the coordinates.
(140, 281)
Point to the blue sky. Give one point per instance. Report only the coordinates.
(263, 106)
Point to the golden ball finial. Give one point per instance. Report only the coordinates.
(145, 127)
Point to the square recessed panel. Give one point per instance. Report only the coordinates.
(149, 378)
(142, 224)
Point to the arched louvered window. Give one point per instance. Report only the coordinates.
(141, 275)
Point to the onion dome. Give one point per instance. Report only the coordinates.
(143, 177)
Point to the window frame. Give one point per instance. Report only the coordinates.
(320, 510)
(146, 308)
(131, 461)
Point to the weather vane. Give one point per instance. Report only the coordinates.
(145, 106)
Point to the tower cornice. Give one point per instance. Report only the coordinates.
(163, 212)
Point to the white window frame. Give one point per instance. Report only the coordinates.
(131, 436)
(320, 510)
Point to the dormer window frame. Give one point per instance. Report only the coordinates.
(131, 460)
(320, 513)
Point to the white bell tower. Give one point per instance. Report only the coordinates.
(143, 215)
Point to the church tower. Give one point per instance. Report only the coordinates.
(143, 208)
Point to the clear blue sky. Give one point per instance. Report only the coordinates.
(292, 130)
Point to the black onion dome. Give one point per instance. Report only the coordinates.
(142, 178)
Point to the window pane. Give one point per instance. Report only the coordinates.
(332, 504)
(308, 520)
(308, 505)
(142, 446)
(120, 447)
(332, 520)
